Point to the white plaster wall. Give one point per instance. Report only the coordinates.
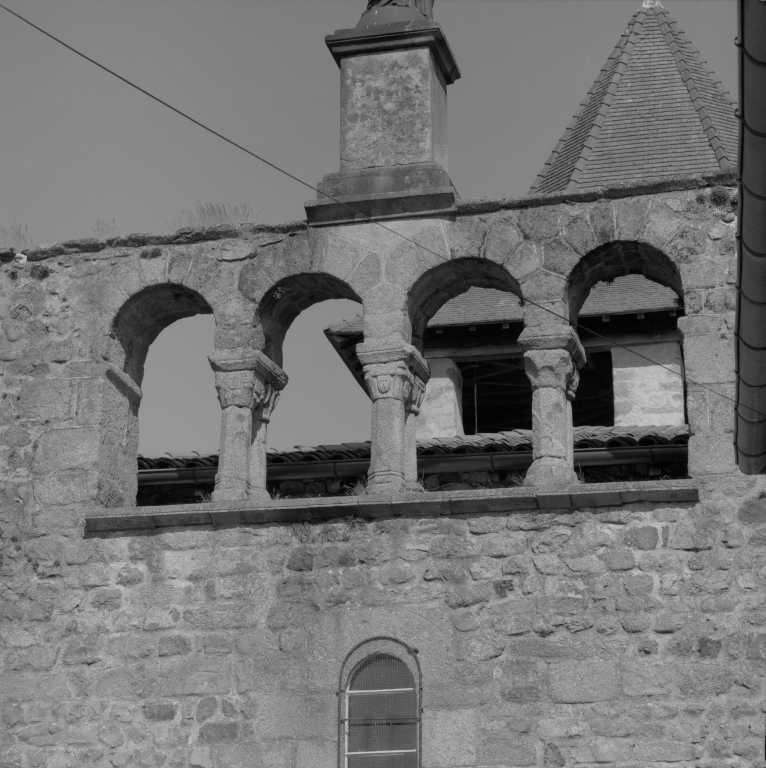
(442, 414)
(644, 392)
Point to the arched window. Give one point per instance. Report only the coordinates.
(380, 707)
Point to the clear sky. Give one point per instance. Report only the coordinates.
(79, 146)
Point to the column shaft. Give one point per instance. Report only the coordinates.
(258, 489)
(233, 479)
(412, 410)
(386, 473)
(392, 373)
(551, 359)
(248, 388)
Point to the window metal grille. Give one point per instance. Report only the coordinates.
(380, 712)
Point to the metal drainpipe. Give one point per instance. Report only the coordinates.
(427, 465)
(750, 362)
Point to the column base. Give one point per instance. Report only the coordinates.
(259, 494)
(385, 482)
(550, 471)
(231, 490)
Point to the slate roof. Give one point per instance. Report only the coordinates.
(655, 110)
(625, 295)
(501, 442)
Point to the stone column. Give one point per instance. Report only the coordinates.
(412, 410)
(390, 372)
(261, 418)
(248, 388)
(552, 358)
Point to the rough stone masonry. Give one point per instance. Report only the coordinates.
(555, 625)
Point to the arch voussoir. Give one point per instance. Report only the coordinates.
(281, 302)
(439, 284)
(617, 259)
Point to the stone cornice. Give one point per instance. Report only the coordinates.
(396, 37)
(382, 506)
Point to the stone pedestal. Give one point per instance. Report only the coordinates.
(248, 388)
(393, 125)
(395, 376)
(552, 358)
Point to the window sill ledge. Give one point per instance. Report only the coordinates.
(435, 504)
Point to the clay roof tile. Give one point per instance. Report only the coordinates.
(654, 83)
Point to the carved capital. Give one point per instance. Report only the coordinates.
(394, 370)
(549, 368)
(553, 337)
(574, 380)
(265, 397)
(388, 381)
(380, 352)
(247, 381)
(414, 403)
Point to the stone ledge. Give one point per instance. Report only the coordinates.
(398, 505)
(615, 192)
(405, 204)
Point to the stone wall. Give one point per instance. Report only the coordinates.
(441, 414)
(631, 635)
(79, 317)
(649, 391)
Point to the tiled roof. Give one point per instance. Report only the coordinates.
(625, 295)
(655, 110)
(501, 442)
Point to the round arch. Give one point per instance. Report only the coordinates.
(285, 300)
(441, 283)
(617, 259)
(145, 315)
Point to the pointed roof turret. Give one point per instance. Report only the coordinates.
(655, 110)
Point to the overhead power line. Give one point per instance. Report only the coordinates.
(351, 208)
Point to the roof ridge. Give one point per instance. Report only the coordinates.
(655, 109)
(603, 72)
(670, 34)
(635, 25)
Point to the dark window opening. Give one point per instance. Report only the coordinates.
(497, 395)
(594, 404)
(382, 718)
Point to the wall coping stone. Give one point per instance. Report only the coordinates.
(627, 189)
(464, 208)
(483, 501)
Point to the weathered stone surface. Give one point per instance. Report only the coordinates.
(578, 682)
(641, 538)
(406, 80)
(550, 630)
(283, 716)
(521, 751)
(753, 511)
(539, 223)
(441, 414)
(648, 392)
(62, 449)
(449, 738)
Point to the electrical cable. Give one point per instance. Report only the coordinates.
(355, 211)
